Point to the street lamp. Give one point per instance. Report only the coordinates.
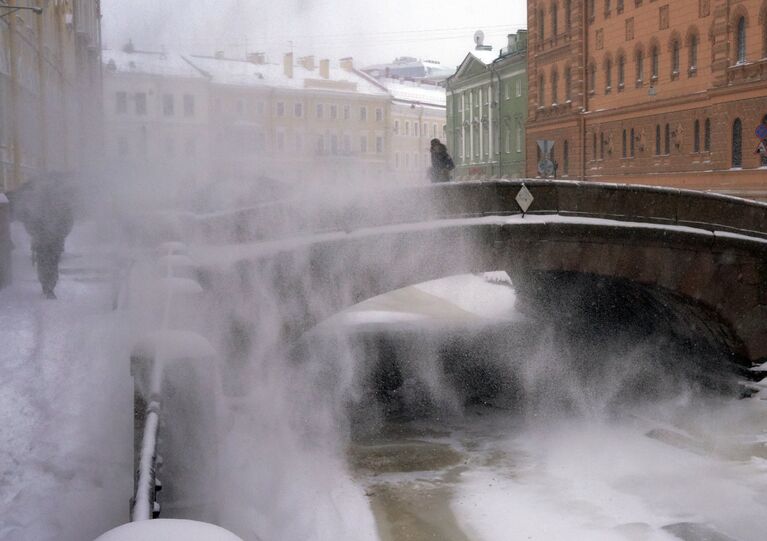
(14, 9)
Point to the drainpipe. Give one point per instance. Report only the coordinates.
(585, 75)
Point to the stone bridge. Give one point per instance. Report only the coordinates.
(697, 258)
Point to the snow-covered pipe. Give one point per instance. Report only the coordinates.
(143, 507)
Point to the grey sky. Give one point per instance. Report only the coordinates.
(369, 31)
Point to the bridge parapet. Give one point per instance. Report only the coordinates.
(623, 202)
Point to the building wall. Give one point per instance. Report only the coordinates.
(50, 89)
(487, 107)
(699, 78)
(413, 128)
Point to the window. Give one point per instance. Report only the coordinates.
(363, 114)
(657, 139)
(554, 85)
(741, 40)
(347, 143)
(568, 84)
(639, 68)
(675, 59)
(608, 75)
(654, 62)
(188, 105)
(592, 9)
(667, 141)
(407, 127)
(333, 112)
(554, 21)
(519, 136)
(363, 143)
(594, 146)
(507, 146)
(379, 144)
(608, 7)
(566, 158)
(379, 114)
(541, 91)
(631, 143)
(280, 108)
(737, 143)
(592, 78)
(121, 104)
(696, 136)
(298, 110)
(320, 110)
(396, 160)
(320, 144)
(347, 112)
(396, 127)
(624, 148)
(415, 128)
(519, 88)
(601, 145)
(707, 135)
(619, 6)
(568, 16)
(507, 90)
(167, 104)
(541, 25)
(140, 98)
(693, 54)
(621, 72)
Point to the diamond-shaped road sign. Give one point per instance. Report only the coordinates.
(524, 198)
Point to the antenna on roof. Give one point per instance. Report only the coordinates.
(479, 40)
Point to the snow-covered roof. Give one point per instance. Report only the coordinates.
(244, 73)
(414, 92)
(149, 63)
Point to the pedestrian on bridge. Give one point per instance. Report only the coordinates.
(441, 162)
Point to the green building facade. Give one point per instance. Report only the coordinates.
(486, 112)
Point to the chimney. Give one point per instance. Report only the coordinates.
(512, 42)
(219, 55)
(307, 62)
(287, 65)
(325, 68)
(347, 63)
(256, 58)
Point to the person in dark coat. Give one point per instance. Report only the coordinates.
(46, 212)
(441, 163)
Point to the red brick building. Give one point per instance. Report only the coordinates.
(650, 91)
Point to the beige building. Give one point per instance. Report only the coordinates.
(296, 120)
(50, 87)
(417, 116)
(156, 118)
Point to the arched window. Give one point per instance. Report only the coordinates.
(601, 145)
(607, 7)
(554, 87)
(631, 143)
(592, 78)
(568, 83)
(674, 59)
(654, 62)
(667, 141)
(707, 135)
(696, 136)
(737, 143)
(554, 20)
(621, 72)
(541, 91)
(657, 139)
(541, 25)
(568, 16)
(566, 158)
(608, 75)
(592, 8)
(639, 68)
(693, 53)
(623, 145)
(741, 39)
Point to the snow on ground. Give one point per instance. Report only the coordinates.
(66, 400)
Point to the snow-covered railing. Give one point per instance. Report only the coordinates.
(622, 202)
(145, 505)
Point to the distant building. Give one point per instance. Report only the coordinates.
(406, 67)
(486, 111)
(417, 116)
(296, 120)
(666, 93)
(50, 89)
(156, 117)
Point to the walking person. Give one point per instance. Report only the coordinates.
(48, 218)
(441, 162)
